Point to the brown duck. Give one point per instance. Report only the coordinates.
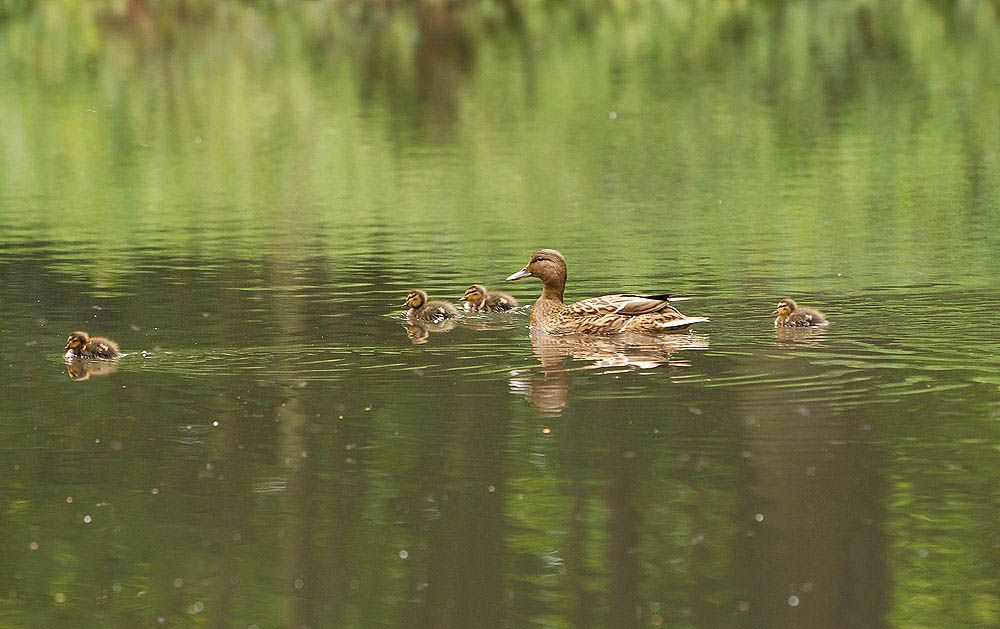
(610, 314)
(82, 345)
(478, 299)
(791, 315)
(418, 308)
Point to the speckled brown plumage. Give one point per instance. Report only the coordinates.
(418, 308)
(478, 299)
(788, 314)
(609, 314)
(82, 345)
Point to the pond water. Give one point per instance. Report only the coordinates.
(242, 196)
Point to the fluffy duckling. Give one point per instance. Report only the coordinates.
(791, 315)
(609, 314)
(82, 345)
(419, 309)
(478, 299)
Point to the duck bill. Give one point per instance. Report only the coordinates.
(520, 275)
(775, 313)
(66, 349)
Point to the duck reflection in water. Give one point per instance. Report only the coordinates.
(791, 337)
(510, 320)
(608, 354)
(420, 333)
(83, 368)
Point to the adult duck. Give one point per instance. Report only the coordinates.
(609, 314)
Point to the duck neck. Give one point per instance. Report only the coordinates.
(553, 291)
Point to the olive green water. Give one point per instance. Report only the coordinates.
(241, 195)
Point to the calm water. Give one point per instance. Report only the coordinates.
(242, 196)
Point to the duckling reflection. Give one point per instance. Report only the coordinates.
(420, 333)
(79, 369)
(609, 354)
(510, 320)
(803, 335)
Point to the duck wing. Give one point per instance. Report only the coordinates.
(625, 304)
(812, 317)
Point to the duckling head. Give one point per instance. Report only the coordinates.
(474, 294)
(785, 308)
(415, 298)
(75, 342)
(547, 265)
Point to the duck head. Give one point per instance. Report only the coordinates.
(415, 299)
(547, 265)
(76, 341)
(785, 308)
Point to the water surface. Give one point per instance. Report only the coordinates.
(242, 196)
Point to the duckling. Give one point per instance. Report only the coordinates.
(419, 309)
(790, 314)
(82, 345)
(478, 299)
(609, 314)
